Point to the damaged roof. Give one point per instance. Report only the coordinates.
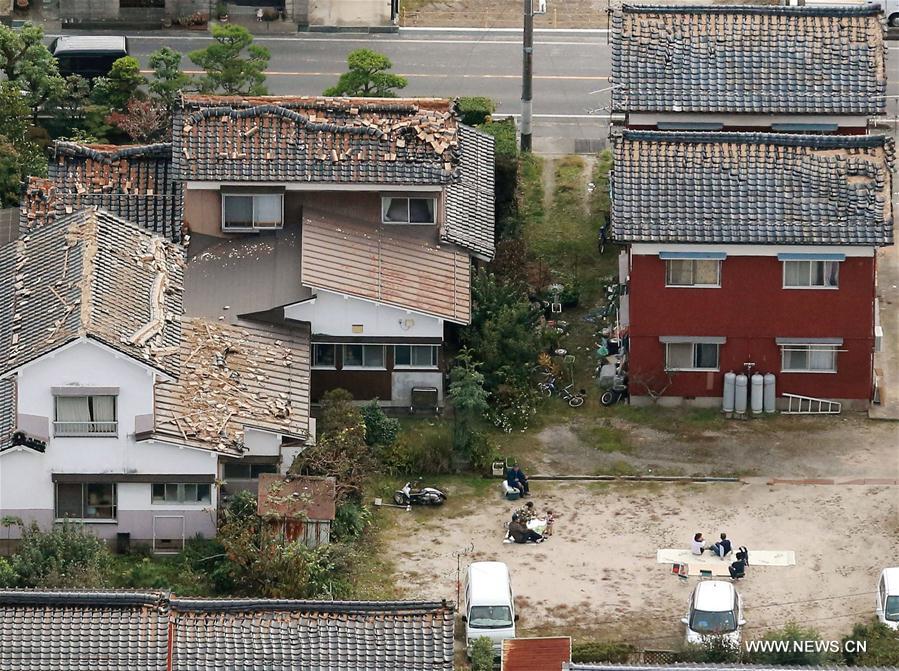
(748, 59)
(391, 264)
(154, 631)
(7, 412)
(136, 183)
(91, 274)
(234, 377)
(758, 188)
(303, 497)
(316, 139)
(470, 213)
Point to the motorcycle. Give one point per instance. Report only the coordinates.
(424, 496)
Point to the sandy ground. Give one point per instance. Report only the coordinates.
(598, 578)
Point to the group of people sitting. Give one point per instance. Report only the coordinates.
(528, 527)
(721, 549)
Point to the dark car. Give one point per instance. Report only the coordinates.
(90, 56)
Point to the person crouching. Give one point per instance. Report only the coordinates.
(520, 533)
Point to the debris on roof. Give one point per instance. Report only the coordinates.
(302, 497)
(761, 188)
(235, 377)
(748, 59)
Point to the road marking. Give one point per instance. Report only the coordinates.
(287, 73)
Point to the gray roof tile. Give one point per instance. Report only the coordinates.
(748, 59)
(127, 631)
(7, 411)
(752, 188)
(470, 213)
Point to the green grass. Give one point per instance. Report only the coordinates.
(600, 435)
(134, 571)
(530, 187)
(673, 420)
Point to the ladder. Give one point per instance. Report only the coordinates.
(807, 405)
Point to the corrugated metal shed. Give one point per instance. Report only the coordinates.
(535, 654)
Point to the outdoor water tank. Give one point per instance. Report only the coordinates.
(740, 394)
(727, 402)
(757, 393)
(770, 393)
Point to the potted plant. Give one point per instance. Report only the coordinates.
(221, 12)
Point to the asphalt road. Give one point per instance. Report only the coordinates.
(571, 71)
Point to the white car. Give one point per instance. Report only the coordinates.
(888, 597)
(715, 610)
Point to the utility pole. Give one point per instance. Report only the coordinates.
(527, 76)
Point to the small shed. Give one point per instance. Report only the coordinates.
(535, 654)
(299, 507)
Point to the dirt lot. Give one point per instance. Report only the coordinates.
(597, 578)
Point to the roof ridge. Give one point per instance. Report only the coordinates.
(96, 153)
(821, 141)
(869, 9)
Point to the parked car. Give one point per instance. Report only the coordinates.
(489, 604)
(888, 597)
(715, 610)
(90, 56)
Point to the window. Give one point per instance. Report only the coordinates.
(252, 212)
(811, 274)
(407, 210)
(891, 609)
(86, 500)
(239, 470)
(809, 359)
(691, 356)
(415, 356)
(85, 416)
(324, 355)
(713, 622)
(181, 492)
(693, 273)
(363, 356)
(489, 617)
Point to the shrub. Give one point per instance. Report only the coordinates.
(789, 657)
(64, 557)
(506, 136)
(350, 522)
(882, 645)
(8, 576)
(712, 650)
(601, 651)
(475, 110)
(482, 654)
(427, 453)
(379, 428)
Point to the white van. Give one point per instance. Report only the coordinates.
(888, 597)
(715, 610)
(489, 604)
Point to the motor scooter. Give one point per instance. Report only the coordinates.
(424, 496)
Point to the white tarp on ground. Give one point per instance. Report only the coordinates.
(756, 558)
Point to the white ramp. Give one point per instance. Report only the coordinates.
(705, 560)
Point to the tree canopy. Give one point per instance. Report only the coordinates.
(227, 70)
(368, 77)
(29, 65)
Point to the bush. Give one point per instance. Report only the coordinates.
(712, 650)
(64, 557)
(480, 452)
(475, 110)
(882, 645)
(506, 136)
(379, 428)
(600, 651)
(427, 453)
(482, 654)
(350, 522)
(790, 632)
(8, 576)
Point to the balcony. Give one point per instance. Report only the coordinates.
(75, 429)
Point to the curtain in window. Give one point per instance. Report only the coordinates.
(423, 356)
(680, 272)
(821, 358)
(72, 409)
(374, 356)
(679, 355)
(103, 408)
(795, 358)
(268, 210)
(796, 273)
(397, 210)
(832, 271)
(421, 210)
(705, 272)
(352, 355)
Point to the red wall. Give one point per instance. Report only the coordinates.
(751, 309)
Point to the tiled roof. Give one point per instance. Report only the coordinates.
(93, 275)
(135, 183)
(752, 188)
(396, 265)
(297, 497)
(132, 631)
(7, 412)
(234, 377)
(470, 214)
(320, 140)
(536, 654)
(752, 59)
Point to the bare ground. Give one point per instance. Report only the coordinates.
(597, 578)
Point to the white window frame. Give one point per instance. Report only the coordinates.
(385, 201)
(318, 366)
(809, 347)
(180, 500)
(254, 228)
(82, 518)
(435, 358)
(811, 276)
(88, 428)
(693, 354)
(693, 285)
(344, 365)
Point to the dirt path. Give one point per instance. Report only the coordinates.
(598, 578)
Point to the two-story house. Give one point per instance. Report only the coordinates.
(116, 410)
(360, 217)
(749, 196)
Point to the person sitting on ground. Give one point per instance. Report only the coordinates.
(517, 479)
(521, 534)
(723, 547)
(697, 547)
(527, 512)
